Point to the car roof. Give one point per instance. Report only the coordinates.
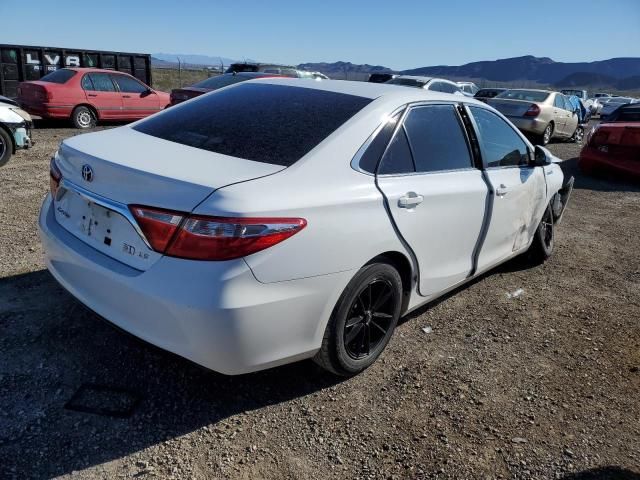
(531, 90)
(416, 77)
(396, 93)
(95, 70)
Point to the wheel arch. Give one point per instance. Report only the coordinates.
(10, 133)
(402, 264)
(93, 109)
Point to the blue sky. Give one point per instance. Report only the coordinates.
(395, 33)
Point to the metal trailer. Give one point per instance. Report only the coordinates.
(20, 63)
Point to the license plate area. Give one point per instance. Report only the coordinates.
(102, 228)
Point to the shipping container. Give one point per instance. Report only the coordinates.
(20, 63)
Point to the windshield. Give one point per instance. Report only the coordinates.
(59, 76)
(407, 82)
(267, 123)
(528, 95)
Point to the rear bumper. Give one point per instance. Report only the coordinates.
(591, 160)
(529, 125)
(46, 110)
(213, 313)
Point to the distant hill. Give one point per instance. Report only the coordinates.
(593, 80)
(540, 69)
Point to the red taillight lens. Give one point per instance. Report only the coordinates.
(533, 111)
(55, 175)
(599, 137)
(158, 226)
(223, 238)
(198, 237)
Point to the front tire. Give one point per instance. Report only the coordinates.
(83, 118)
(543, 239)
(362, 321)
(6, 147)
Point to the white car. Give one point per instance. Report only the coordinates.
(427, 83)
(469, 88)
(15, 129)
(278, 220)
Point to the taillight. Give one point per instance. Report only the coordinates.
(198, 237)
(158, 226)
(533, 111)
(55, 175)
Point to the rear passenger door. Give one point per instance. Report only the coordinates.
(517, 189)
(435, 195)
(138, 101)
(101, 92)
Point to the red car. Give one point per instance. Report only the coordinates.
(179, 95)
(614, 145)
(86, 95)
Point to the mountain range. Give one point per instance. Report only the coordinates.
(616, 73)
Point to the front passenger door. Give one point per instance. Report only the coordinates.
(138, 101)
(518, 189)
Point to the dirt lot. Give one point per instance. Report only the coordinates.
(545, 385)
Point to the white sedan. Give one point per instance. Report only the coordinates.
(279, 220)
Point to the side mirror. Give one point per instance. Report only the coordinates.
(541, 157)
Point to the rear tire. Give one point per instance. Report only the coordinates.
(6, 147)
(543, 239)
(362, 321)
(546, 136)
(83, 118)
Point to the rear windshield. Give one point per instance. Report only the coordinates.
(266, 123)
(528, 95)
(407, 82)
(626, 114)
(214, 83)
(58, 76)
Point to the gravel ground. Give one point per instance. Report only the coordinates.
(544, 385)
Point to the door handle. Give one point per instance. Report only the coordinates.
(126, 96)
(92, 95)
(410, 200)
(502, 190)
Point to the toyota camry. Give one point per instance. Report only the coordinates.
(281, 219)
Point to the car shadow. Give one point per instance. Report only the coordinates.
(602, 182)
(603, 473)
(51, 123)
(55, 351)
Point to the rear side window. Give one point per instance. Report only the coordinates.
(266, 123)
(128, 84)
(101, 82)
(397, 159)
(59, 76)
(559, 101)
(369, 160)
(501, 145)
(436, 139)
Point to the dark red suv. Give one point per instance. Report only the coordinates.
(86, 95)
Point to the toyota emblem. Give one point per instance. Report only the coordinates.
(87, 173)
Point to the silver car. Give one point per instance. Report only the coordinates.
(612, 104)
(427, 83)
(543, 114)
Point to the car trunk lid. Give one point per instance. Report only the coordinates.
(106, 172)
(510, 108)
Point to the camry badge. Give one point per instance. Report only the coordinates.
(87, 173)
